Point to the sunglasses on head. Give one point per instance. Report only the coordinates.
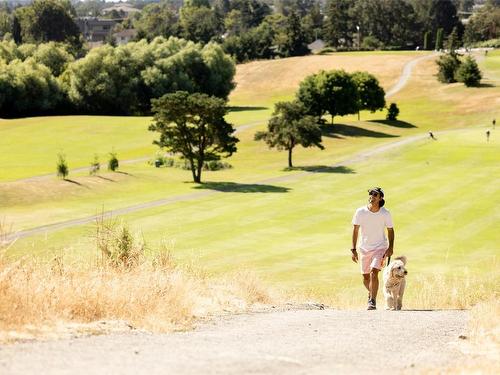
(374, 193)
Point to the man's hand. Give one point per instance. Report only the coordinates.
(354, 256)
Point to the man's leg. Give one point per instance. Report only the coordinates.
(373, 289)
(366, 281)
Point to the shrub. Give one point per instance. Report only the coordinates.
(469, 72)
(371, 43)
(62, 166)
(392, 112)
(95, 166)
(216, 165)
(113, 163)
(447, 67)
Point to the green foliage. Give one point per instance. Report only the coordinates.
(54, 56)
(48, 20)
(290, 126)
(469, 72)
(392, 112)
(193, 126)
(95, 166)
(371, 43)
(62, 166)
(371, 94)
(113, 162)
(427, 40)
(334, 92)
(27, 87)
(257, 43)
(157, 20)
(199, 24)
(292, 39)
(339, 24)
(439, 40)
(483, 25)
(447, 67)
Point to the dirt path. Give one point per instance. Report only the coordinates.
(298, 342)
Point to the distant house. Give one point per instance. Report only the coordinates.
(122, 9)
(125, 36)
(316, 46)
(95, 29)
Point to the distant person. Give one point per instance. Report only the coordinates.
(486, 53)
(494, 122)
(431, 135)
(487, 135)
(373, 219)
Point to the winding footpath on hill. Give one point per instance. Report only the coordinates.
(402, 81)
(282, 342)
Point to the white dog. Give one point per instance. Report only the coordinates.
(394, 283)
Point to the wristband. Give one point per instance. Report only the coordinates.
(353, 250)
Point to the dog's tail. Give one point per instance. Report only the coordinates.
(402, 258)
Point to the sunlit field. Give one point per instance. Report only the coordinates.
(292, 228)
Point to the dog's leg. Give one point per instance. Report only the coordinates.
(399, 302)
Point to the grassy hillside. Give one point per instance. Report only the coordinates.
(291, 227)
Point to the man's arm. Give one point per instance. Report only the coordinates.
(390, 235)
(354, 255)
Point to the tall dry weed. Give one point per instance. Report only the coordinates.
(122, 283)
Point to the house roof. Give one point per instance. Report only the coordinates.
(121, 7)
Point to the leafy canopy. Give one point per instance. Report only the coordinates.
(193, 126)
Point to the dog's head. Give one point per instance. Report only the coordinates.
(398, 267)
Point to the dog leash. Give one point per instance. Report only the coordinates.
(388, 260)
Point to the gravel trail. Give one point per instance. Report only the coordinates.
(282, 342)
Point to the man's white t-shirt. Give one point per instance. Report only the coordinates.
(372, 225)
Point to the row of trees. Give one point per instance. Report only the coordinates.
(46, 78)
(334, 92)
(193, 125)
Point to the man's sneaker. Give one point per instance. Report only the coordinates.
(372, 305)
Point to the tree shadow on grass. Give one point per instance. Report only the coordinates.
(323, 169)
(232, 187)
(395, 123)
(76, 183)
(484, 85)
(105, 178)
(244, 108)
(338, 130)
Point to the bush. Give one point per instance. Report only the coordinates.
(62, 167)
(95, 166)
(469, 72)
(371, 43)
(392, 112)
(113, 163)
(447, 67)
(216, 165)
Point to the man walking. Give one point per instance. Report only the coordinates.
(373, 219)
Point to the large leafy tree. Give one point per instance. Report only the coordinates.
(193, 126)
(157, 20)
(48, 20)
(483, 25)
(469, 72)
(334, 92)
(293, 38)
(371, 94)
(339, 23)
(289, 127)
(199, 23)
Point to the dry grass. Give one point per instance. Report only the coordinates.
(121, 288)
(260, 81)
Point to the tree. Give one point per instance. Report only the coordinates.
(439, 40)
(113, 162)
(371, 95)
(199, 24)
(392, 112)
(483, 25)
(290, 126)
(54, 56)
(62, 166)
(157, 20)
(48, 20)
(447, 67)
(341, 94)
(293, 38)
(193, 126)
(427, 41)
(339, 25)
(469, 72)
